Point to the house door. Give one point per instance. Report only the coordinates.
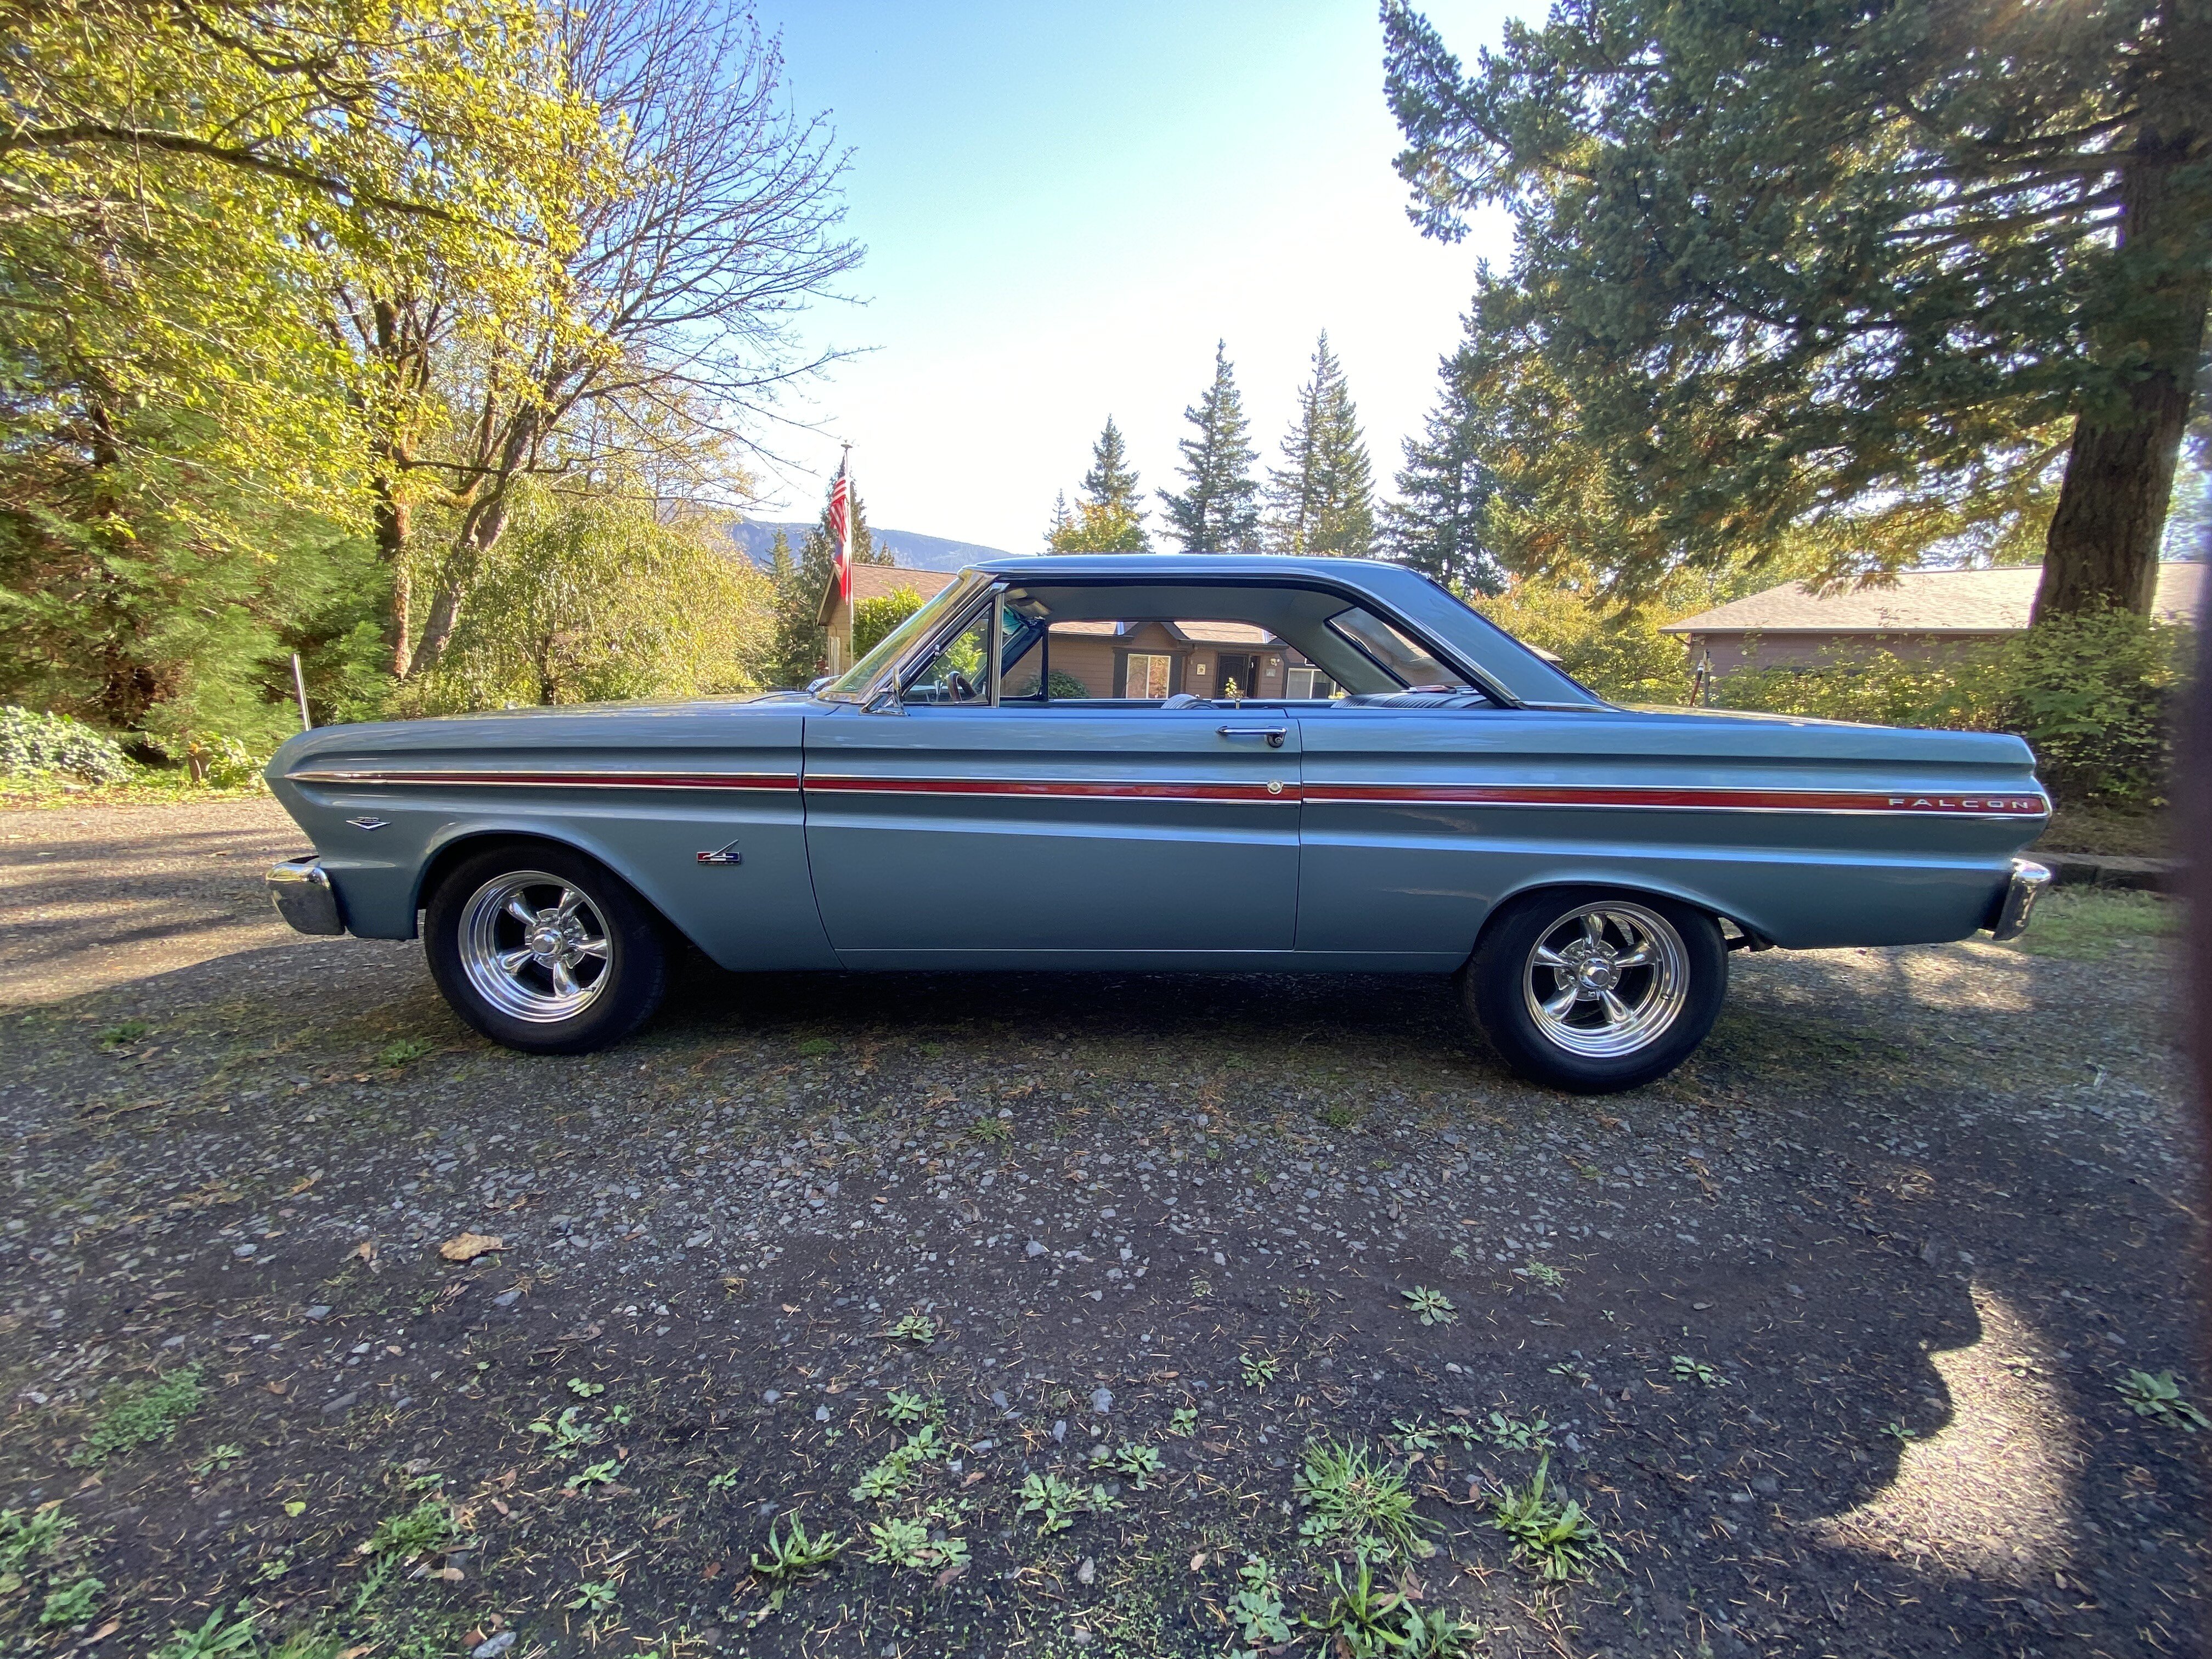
(1241, 671)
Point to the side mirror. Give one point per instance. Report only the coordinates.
(819, 682)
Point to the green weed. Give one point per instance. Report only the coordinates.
(1184, 1423)
(1511, 1434)
(1360, 1499)
(1339, 1117)
(897, 1543)
(791, 1559)
(1363, 1621)
(128, 1031)
(2160, 1398)
(567, 1434)
(1256, 1609)
(1056, 1503)
(594, 1597)
(1258, 1369)
(917, 1327)
(1542, 1273)
(817, 1045)
(1687, 1369)
(902, 1405)
(1559, 1542)
(71, 1603)
(1434, 1307)
(993, 1131)
(584, 1390)
(401, 1051)
(212, 1640)
(140, 1414)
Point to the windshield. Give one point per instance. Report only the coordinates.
(856, 682)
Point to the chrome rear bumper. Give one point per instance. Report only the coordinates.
(2029, 879)
(302, 894)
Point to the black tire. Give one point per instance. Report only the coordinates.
(1574, 1042)
(467, 928)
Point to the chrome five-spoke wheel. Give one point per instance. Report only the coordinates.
(1606, 980)
(1591, 990)
(534, 946)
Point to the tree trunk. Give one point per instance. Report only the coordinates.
(481, 529)
(2102, 548)
(392, 526)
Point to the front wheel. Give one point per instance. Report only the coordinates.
(1592, 991)
(545, 950)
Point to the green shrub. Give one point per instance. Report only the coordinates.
(1620, 654)
(32, 743)
(2095, 696)
(872, 619)
(1063, 685)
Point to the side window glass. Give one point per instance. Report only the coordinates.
(1408, 663)
(960, 672)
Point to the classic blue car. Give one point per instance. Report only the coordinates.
(1161, 762)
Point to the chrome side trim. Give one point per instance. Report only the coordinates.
(2028, 880)
(300, 889)
(555, 779)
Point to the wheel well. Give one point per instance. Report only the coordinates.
(1737, 940)
(462, 847)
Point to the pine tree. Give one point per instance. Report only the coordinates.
(1108, 519)
(797, 654)
(1321, 501)
(1446, 485)
(1218, 511)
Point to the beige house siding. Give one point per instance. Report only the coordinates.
(1731, 652)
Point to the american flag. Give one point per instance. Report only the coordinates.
(840, 526)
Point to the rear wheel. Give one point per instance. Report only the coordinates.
(545, 950)
(1594, 992)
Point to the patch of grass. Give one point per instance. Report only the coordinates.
(817, 1045)
(2078, 828)
(425, 1527)
(991, 1130)
(2087, 923)
(2160, 1398)
(402, 1051)
(1558, 1542)
(1358, 1499)
(141, 1413)
(1433, 1307)
(1339, 1117)
(213, 1640)
(128, 1031)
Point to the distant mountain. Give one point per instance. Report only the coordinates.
(914, 551)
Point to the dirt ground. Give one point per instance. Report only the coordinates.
(1826, 1334)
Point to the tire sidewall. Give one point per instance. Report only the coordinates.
(637, 953)
(1490, 990)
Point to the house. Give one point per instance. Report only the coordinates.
(870, 581)
(1133, 658)
(1924, 614)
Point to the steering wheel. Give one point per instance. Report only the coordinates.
(962, 688)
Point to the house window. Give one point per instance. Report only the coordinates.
(1309, 682)
(1148, 675)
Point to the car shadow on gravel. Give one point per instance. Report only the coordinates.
(1824, 1331)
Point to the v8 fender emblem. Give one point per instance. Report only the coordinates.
(723, 855)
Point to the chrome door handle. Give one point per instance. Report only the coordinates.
(1274, 734)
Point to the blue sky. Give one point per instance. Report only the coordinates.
(1064, 207)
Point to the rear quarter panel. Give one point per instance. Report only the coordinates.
(1418, 824)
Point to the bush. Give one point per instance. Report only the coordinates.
(2095, 696)
(1620, 654)
(873, 619)
(33, 743)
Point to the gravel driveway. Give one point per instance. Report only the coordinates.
(1056, 1296)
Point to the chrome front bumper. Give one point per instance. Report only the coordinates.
(2029, 879)
(303, 896)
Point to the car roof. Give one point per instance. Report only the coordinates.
(1154, 566)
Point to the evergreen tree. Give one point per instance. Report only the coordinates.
(1855, 273)
(1438, 524)
(1218, 510)
(1108, 518)
(1321, 499)
(797, 644)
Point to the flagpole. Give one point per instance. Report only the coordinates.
(845, 470)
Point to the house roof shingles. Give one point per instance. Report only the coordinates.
(1921, 602)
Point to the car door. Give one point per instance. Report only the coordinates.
(962, 834)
